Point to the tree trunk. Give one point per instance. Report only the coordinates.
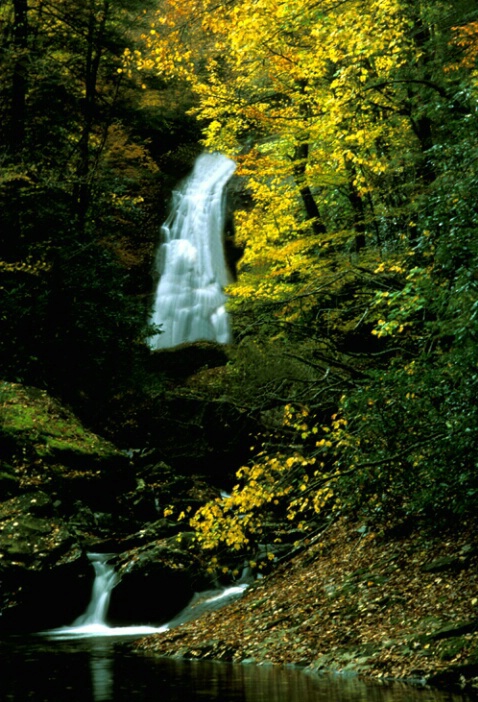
(310, 205)
(19, 82)
(95, 36)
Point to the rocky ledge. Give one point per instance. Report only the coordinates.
(64, 492)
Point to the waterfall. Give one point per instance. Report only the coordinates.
(92, 623)
(190, 301)
(105, 580)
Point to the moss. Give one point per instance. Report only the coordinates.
(32, 421)
(450, 648)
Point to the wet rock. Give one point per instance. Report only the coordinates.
(68, 491)
(156, 581)
(187, 359)
(42, 568)
(455, 629)
(35, 600)
(458, 676)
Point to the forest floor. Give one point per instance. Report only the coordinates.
(402, 607)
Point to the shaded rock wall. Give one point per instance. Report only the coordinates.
(68, 492)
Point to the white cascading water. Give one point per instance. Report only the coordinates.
(190, 301)
(93, 622)
(104, 582)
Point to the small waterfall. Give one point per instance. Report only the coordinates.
(105, 580)
(92, 623)
(190, 300)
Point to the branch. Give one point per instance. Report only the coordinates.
(338, 364)
(377, 462)
(421, 81)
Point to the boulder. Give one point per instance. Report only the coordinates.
(189, 423)
(156, 582)
(42, 568)
(43, 444)
(61, 489)
(159, 486)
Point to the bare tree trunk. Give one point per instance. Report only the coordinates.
(311, 209)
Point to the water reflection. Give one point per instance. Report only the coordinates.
(102, 670)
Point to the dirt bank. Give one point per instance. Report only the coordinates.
(386, 606)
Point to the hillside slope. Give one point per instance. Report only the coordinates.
(402, 607)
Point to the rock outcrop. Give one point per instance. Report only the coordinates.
(66, 491)
(157, 580)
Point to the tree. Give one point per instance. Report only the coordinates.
(353, 126)
(67, 107)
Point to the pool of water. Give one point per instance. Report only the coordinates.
(102, 669)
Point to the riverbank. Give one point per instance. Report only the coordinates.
(383, 606)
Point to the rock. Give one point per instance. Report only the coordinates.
(196, 435)
(159, 486)
(189, 431)
(456, 629)
(63, 490)
(9, 483)
(156, 581)
(454, 563)
(458, 676)
(69, 491)
(42, 568)
(47, 446)
(35, 600)
(187, 359)
(188, 422)
(38, 427)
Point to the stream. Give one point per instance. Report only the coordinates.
(91, 661)
(102, 669)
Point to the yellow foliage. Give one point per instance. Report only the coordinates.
(303, 96)
(30, 267)
(291, 485)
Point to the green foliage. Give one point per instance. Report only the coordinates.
(32, 422)
(83, 188)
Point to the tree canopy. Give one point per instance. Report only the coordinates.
(354, 127)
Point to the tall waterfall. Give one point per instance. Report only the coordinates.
(190, 300)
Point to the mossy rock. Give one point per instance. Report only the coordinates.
(9, 482)
(449, 648)
(35, 426)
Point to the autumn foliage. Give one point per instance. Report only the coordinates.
(352, 126)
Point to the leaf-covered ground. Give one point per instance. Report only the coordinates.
(402, 607)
